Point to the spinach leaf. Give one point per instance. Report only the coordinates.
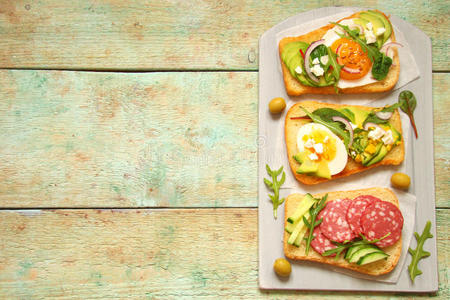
(381, 66)
(407, 102)
(335, 127)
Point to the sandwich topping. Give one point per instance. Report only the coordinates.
(336, 135)
(354, 52)
(357, 228)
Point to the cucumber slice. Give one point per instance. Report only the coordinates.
(372, 257)
(289, 227)
(300, 236)
(302, 208)
(363, 252)
(298, 228)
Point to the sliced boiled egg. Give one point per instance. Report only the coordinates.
(322, 145)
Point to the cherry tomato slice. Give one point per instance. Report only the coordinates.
(351, 55)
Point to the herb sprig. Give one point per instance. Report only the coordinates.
(313, 212)
(407, 102)
(419, 253)
(275, 187)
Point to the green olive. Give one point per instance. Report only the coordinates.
(276, 105)
(400, 181)
(282, 267)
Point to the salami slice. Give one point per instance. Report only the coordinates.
(320, 243)
(379, 219)
(334, 225)
(356, 210)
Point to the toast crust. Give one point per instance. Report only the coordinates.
(376, 268)
(295, 88)
(394, 157)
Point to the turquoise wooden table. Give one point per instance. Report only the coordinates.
(128, 146)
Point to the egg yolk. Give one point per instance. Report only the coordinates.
(328, 143)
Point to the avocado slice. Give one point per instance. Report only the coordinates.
(301, 157)
(387, 24)
(294, 62)
(368, 158)
(361, 22)
(372, 257)
(360, 116)
(323, 170)
(381, 154)
(355, 248)
(293, 47)
(376, 23)
(363, 252)
(395, 134)
(308, 167)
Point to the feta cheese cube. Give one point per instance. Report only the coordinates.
(318, 148)
(310, 143)
(370, 36)
(353, 125)
(313, 156)
(388, 139)
(317, 70)
(369, 26)
(324, 59)
(298, 70)
(376, 133)
(380, 31)
(315, 61)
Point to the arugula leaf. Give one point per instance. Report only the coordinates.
(275, 187)
(381, 66)
(335, 127)
(333, 63)
(407, 102)
(348, 114)
(313, 212)
(327, 114)
(419, 253)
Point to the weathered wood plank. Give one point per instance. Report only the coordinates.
(149, 35)
(77, 139)
(146, 253)
(441, 83)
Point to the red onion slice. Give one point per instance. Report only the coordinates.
(350, 70)
(348, 126)
(353, 26)
(384, 115)
(370, 124)
(386, 47)
(308, 52)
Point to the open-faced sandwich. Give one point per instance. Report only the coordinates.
(326, 141)
(359, 230)
(353, 55)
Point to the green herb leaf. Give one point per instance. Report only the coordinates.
(327, 114)
(344, 246)
(333, 63)
(381, 66)
(407, 102)
(275, 185)
(313, 212)
(419, 253)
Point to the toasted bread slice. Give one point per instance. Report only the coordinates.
(295, 88)
(376, 268)
(394, 157)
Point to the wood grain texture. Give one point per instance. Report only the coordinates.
(78, 139)
(171, 35)
(154, 254)
(441, 83)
